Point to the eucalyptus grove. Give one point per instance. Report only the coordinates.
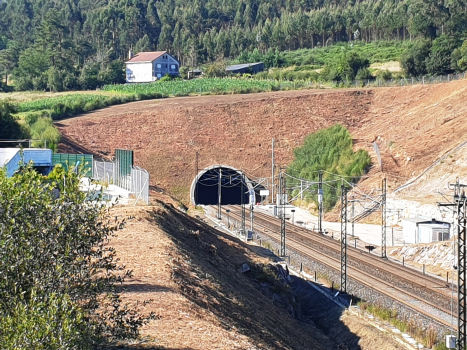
(86, 36)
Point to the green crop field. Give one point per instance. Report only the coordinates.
(214, 86)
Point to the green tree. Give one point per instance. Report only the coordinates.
(216, 69)
(345, 66)
(413, 60)
(459, 57)
(439, 61)
(31, 73)
(9, 128)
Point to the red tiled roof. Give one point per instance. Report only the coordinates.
(147, 56)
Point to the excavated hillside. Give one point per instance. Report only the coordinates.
(413, 126)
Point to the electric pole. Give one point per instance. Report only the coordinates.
(353, 216)
(251, 217)
(383, 219)
(343, 238)
(282, 204)
(459, 203)
(243, 208)
(320, 202)
(272, 174)
(196, 175)
(219, 191)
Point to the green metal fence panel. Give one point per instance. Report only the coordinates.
(84, 161)
(124, 164)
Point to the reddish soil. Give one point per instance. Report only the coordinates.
(413, 126)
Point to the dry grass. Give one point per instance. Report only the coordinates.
(392, 66)
(146, 249)
(370, 337)
(28, 96)
(189, 270)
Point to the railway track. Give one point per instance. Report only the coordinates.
(424, 294)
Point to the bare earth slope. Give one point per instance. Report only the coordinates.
(190, 272)
(413, 126)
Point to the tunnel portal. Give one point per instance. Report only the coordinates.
(205, 186)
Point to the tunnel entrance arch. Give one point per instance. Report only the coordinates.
(205, 186)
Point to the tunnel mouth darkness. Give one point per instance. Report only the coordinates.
(205, 186)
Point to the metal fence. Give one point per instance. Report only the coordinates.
(85, 161)
(401, 82)
(137, 181)
(140, 184)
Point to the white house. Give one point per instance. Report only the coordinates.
(146, 67)
(422, 230)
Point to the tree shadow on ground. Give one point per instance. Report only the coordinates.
(143, 347)
(144, 288)
(208, 275)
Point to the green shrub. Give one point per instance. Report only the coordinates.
(39, 323)
(459, 57)
(363, 74)
(345, 66)
(44, 130)
(59, 275)
(9, 128)
(331, 151)
(384, 75)
(166, 77)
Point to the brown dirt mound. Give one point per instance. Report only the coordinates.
(413, 126)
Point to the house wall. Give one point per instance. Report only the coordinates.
(409, 230)
(425, 232)
(165, 64)
(139, 72)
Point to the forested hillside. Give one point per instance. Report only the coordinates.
(81, 43)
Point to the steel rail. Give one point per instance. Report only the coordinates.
(300, 247)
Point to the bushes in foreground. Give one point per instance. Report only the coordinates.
(58, 275)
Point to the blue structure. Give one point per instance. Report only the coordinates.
(41, 158)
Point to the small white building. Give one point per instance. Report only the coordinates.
(422, 230)
(146, 67)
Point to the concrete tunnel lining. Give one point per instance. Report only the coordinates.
(209, 169)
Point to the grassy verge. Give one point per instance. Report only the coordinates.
(37, 115)
(426, 336)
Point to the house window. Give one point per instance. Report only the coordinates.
(440, 235)
(165, 66)
(159, 65)
(172, 66)
(159, 75)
